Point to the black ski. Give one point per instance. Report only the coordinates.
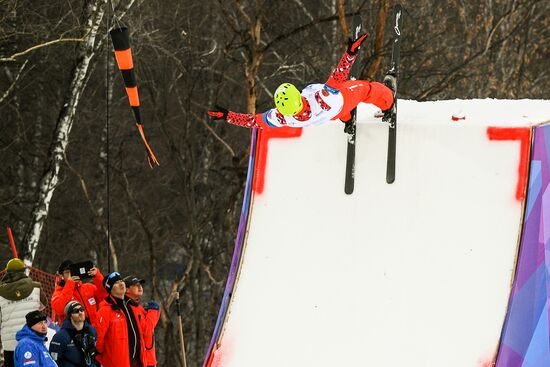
(351, 129)
(391, 81)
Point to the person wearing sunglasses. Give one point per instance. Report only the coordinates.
(75, 344)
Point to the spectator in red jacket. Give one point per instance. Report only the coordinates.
(71, 288)
(149, 315)
(119, 329)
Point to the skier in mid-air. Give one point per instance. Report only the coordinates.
(319, 103)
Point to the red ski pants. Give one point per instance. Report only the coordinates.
(357, 91)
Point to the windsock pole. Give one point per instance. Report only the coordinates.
(12, 243)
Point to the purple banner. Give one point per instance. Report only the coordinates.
(525, 340)
(237, 252)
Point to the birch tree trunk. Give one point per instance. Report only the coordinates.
(94, 11)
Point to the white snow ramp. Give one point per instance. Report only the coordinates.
(416, 273)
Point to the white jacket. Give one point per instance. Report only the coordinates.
(13, 317)
(325, 103)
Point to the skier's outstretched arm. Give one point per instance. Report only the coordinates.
(240, 119)
(341, 72)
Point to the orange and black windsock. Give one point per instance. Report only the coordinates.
(123, 55)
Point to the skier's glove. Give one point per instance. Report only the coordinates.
(219, 113)
(353, 45)
(152, 305)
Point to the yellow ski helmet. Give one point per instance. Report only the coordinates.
(288, 99)
(15, 265)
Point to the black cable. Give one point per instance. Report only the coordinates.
(107, 172)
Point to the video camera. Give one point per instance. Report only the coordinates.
(81, 269)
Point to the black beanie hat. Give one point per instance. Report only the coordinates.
(64, 266)
(110, 280)
(34, 317)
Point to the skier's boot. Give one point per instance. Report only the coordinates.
(390, 82)
(348, 126)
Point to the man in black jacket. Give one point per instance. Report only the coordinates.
(74, 344)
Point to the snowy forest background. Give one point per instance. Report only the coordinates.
(175, 225)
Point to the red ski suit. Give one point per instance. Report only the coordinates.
(112, 333)
(357, 91)
(149, 319)
(87, 294)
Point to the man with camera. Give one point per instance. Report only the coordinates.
(75, 344)
(72, 288)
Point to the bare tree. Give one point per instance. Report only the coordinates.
(93, 15)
